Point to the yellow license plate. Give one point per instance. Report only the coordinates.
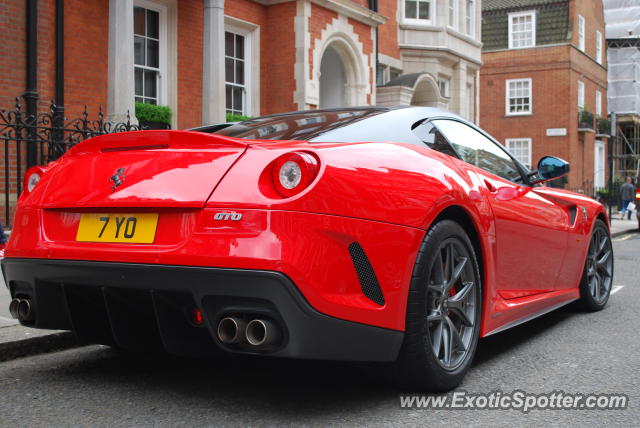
(131, 228)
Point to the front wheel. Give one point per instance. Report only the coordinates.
(597, 277)
(443, 312)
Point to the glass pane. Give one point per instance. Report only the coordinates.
(240, 72)
(153, 54)
(138, 20)
(410, 9)
(229, 100)
(228, 44)
(478, 150)
(237, 99)
(150, 89)
(138, 79)
(139, 100)
(228, 69)
(153, 23)
(138, 50)
(423, 10)
(239, 46)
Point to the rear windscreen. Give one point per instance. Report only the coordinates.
(297, 126)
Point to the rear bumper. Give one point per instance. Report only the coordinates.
(147, 306)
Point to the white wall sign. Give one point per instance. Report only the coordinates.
(556, 132)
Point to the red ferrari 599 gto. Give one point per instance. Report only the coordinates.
(363, 234)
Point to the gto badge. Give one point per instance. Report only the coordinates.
(584, 213)
(227, 216)
(117, 178)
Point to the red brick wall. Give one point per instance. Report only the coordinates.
(593, 14)
(12, 66)
(190, 33)
(86, 56)
(388, 32)
(364, 36)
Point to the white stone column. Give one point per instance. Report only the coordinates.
(121, 86)
(213, 89)
(459, 89)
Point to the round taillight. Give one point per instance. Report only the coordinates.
(294, 172)
(32, 178)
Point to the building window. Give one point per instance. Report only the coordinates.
(518, 99)
(599, 162)
(235, 73)
(452, 13)
(380, 74)
(599, 47)
(468, 17)
(443, 84)
(418, 10)
(581, 32)
(580, 95)
(148, 51)
(598, 103)
(520, 148)
(522, 29)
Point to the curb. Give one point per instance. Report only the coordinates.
(41, 344)
(624, 232)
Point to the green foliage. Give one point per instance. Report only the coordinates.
(236, 117)
(153, 113)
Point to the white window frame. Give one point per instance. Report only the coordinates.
(251, 34)
(420, 22)
(598, 103)
(580, 95)
(444, 85)
(455, 12)
(531, 13)
(469, 17)
(581, 33)
(506, 97)
(598, 47)
(163, 52)
(510, 141)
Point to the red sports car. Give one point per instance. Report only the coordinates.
(363, 234)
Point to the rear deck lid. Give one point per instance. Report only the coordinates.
(142, 169)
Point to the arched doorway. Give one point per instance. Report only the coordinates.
(426, 92)
(333, 80)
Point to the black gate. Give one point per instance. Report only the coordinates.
(30, 140)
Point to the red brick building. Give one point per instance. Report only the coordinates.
(203, 58)
(207, 58)
(543, 84)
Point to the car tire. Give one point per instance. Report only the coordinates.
(419, 365)
(597, 275)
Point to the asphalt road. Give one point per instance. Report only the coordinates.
(566, 350)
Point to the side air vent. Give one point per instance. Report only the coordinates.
(366, 275)
(573, 210)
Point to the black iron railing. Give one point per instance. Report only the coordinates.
(46, 137)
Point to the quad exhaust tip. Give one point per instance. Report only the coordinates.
(21, 309)
(262, 332)
(231, 330)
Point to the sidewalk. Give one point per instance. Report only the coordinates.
(620, 227)
(17, 341)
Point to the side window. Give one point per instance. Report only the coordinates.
(430, 135)
(478, 150)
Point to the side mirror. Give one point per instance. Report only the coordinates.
(550, 168)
